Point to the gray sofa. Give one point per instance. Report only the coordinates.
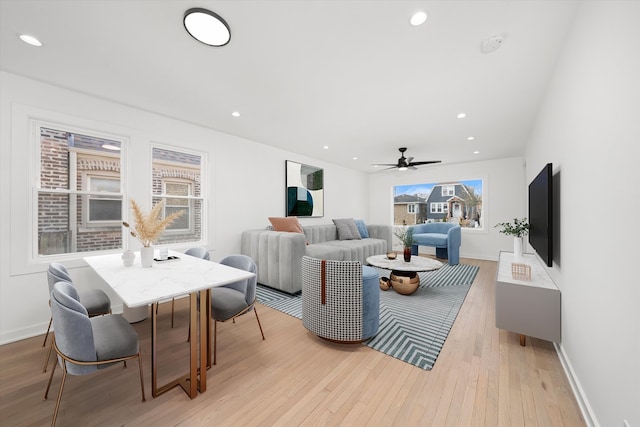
(278, 254)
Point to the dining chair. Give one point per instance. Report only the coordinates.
(85, 345)
(234, 299)
(198, 252)
(95, 301)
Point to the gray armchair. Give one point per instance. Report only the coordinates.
(84, 344)
(234, 299)
(95, 301)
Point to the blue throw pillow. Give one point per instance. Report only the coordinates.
(362, 228)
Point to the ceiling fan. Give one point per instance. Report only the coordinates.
(405, 163)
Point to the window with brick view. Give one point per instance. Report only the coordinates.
(177, 180)
(79, 198)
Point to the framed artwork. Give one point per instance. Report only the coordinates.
(305, 190)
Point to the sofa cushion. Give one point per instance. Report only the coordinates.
(347, 229)
(362, 228)
(289, 224)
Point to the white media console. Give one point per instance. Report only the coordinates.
(527, 307)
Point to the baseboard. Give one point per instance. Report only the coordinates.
(585, 408)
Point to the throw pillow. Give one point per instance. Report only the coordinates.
(289, 224)
(362, 228)
(347, 229)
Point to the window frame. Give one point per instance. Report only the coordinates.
(202, 198)
(188, 207)
(35, 136)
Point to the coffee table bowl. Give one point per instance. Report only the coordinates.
(404, 285)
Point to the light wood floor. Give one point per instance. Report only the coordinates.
(483, 377)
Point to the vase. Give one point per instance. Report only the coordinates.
(407, 254)
(517, 247)
(146, 256)
(127, 258)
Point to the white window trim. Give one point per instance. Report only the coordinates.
(448, 190)
(87, 224)
(35, 124)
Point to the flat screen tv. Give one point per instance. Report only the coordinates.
(541, 214)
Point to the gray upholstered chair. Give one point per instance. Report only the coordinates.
(84, 344)
(340, 299)
(95, 301)
(234, 299)
(198, 252)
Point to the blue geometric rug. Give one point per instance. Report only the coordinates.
(413, 328)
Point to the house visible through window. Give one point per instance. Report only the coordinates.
(79, 198)
(177, 180)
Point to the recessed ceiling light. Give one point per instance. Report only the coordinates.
(326, 147)
(476, 152)
(235, 114)
(355, 158)
(207, 27)
(418, 18)
(462, 115)
(471, 138)
(30, 40)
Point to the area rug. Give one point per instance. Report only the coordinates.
(412, 328)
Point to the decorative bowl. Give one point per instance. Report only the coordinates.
(391, 255)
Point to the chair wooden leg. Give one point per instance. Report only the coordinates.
(258, 319)
(141, 378)
(55, 412)
(173, 306)
(215, 339)
(46, 392)
(47, 334)
(46, 360)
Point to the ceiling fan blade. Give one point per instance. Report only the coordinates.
(409, 160)
(412, 168)
(386, 169)
(424, 163)
(384, 164)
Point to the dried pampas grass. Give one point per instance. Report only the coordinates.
(148, 228)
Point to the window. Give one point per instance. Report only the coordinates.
(448, 190)
(452, 201)
(78, 191)
(439, 208)
(177, 181)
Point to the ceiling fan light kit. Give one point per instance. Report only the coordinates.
(405, 163)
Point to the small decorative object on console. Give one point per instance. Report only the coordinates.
(391, 255)
(521, 271)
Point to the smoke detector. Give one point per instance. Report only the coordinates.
(492, 44)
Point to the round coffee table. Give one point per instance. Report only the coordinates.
(404, 277)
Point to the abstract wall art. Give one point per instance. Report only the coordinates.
(305, 190)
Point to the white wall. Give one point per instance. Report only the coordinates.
(503, 199)
(588, 127)
(245, 186)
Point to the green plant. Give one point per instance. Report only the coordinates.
(405, 234)
(517, 228)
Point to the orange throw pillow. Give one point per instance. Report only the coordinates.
(289, 224)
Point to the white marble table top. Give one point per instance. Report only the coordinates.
(138, 286)
(416, 264)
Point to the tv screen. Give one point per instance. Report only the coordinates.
(541, 214)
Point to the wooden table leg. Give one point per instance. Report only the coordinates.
(188, 382)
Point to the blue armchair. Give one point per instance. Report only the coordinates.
(444, 236)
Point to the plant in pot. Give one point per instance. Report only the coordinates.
(405, 234)
(148, 228)
(518, 228)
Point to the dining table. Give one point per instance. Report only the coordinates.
(176, 275)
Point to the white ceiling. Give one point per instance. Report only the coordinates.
(353, 75)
